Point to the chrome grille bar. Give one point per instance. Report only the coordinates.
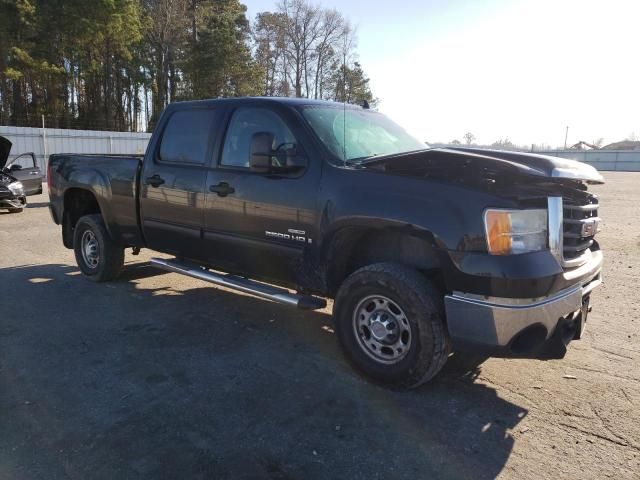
(567, 239)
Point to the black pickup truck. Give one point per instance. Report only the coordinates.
(425, 251)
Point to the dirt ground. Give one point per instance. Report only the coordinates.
(161, 376)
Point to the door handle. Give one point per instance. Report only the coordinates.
(222, 189)
(154, 181)
(34, 173)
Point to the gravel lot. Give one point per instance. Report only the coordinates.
(161, 376)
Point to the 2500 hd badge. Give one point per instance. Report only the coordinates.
(295, 235)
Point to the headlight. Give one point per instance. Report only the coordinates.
(16, 188)
(510, 232)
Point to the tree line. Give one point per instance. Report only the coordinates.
(115, 64)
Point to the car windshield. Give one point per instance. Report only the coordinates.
(354, 135)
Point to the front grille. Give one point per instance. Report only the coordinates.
(580, 225)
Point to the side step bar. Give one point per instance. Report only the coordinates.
(275, 294)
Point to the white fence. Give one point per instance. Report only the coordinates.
(44, 142)
(606, 160)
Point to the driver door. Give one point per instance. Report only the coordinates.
(259, 224)
(25, 168)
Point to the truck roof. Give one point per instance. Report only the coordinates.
(290, 101)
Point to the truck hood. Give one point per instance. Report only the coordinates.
(486, 162)
(5, 148)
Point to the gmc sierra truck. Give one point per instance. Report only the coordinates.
(424, 250)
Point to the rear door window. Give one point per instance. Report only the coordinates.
(24, 161)
(187, 137)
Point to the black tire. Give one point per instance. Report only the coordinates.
(420, 303)
(15, 210)
(110, 256)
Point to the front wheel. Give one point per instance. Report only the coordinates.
(15, 210)
(100, 259)
(390, 323)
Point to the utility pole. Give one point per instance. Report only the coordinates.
(566, 135)
(44, 144)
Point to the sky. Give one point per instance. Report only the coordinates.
(517, 69)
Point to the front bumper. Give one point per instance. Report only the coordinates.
(9, 200)
(516, 326)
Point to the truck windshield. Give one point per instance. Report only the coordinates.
(354, 135)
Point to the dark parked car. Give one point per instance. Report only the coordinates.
(18, 179)
(423, 250)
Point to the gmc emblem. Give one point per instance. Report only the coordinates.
(589, 228)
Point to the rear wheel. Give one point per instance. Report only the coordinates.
(100, 259)
(390, 322)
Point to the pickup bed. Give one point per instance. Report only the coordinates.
(424, 250)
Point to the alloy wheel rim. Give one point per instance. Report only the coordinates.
(382, 329)
(90, 249)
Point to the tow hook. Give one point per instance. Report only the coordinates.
(570, 328)
(581, 321)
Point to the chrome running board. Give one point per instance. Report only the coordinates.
(275, 294)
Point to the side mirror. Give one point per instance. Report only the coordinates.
(261, 152)
(290, 158)
(15, 167)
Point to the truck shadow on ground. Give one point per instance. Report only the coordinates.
(143, 377)
(37, 204)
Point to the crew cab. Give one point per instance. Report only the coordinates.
(424, 250)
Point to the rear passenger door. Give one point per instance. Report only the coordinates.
(173, 180)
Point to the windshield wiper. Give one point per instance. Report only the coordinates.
(390, 155)
(361, 159)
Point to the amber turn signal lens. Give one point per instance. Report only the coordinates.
(499, 239)
(512, 232)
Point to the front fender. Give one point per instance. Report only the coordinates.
(452, 215)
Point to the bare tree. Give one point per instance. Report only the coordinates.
(302, 21)
(334, 30)
(301, 45)
(269, 37)
(169, 22)
(309, 51)
(469, 138)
